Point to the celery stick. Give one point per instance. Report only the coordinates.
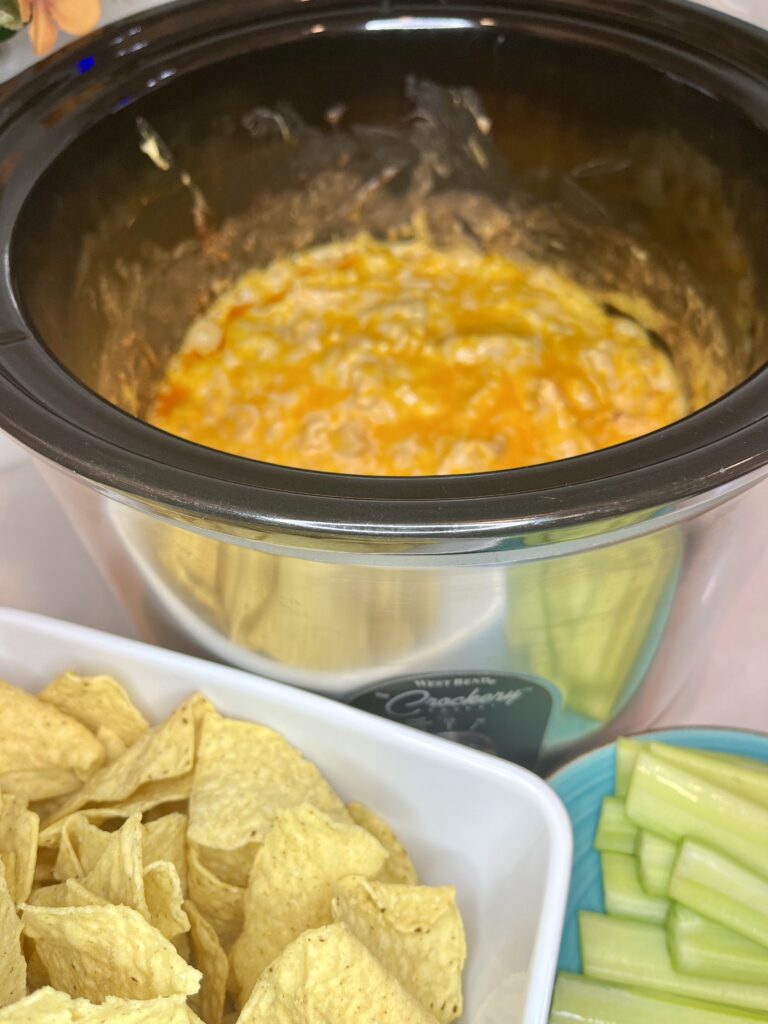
(690, 755)
(623, 894)
(578, 1000)
(713, 885)
(655, 859)
(626, 754)
(635, 953)
(745, 777)
(665, 798)
(615, 832)
(703, 947)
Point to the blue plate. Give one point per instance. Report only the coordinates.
(583, 783)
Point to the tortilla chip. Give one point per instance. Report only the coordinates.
(36, 739)
(13, 967)
(151, 795)
(416, 933)
(96, 701)
(67, 863)
(37, 976)
(19, 829)
(45, 809)
(42, 1007)
(44, 866)
(211, 960)
(50, 895)
(292, 884)
(220, 903)
(41, 784)
(183, 945)
(80, 846)
(399, 866)
(82, 843)
(46, 1006)
(66, 894)
(177, 807)
(165, 899)
(121, 877)
(118, 874)
(170, 1010)
(166, 839)
(245, 775)
(233, 866)
(69, 893)
(113, 745)
(91, 841)
(148, 798)
(8, 860)
(159, 755)
(96, 952)
(327, 975)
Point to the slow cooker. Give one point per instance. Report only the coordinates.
(526, 612)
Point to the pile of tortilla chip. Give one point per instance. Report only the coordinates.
(201, 869)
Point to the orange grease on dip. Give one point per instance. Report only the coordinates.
(401, 359)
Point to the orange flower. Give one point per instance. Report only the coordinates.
(75, 17)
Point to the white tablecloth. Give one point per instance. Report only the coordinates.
(44, 567)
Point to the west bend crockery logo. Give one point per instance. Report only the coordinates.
(500, 714)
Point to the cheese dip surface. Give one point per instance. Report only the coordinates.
(402, 359)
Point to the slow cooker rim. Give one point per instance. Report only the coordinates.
(227, 488)
(277, 497)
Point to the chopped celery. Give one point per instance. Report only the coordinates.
(700, 946)
(715, 886)
(624, 896)
(745, 777)
(615, 832)
(667, 799)
(655, 860)
(635, 953)
(626, 754)
(578, 1000)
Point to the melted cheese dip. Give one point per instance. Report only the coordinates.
(403, 359)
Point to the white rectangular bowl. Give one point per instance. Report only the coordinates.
(493, 830)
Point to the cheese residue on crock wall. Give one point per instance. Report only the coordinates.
(404, 359)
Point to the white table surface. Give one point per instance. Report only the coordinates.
(44, 567)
